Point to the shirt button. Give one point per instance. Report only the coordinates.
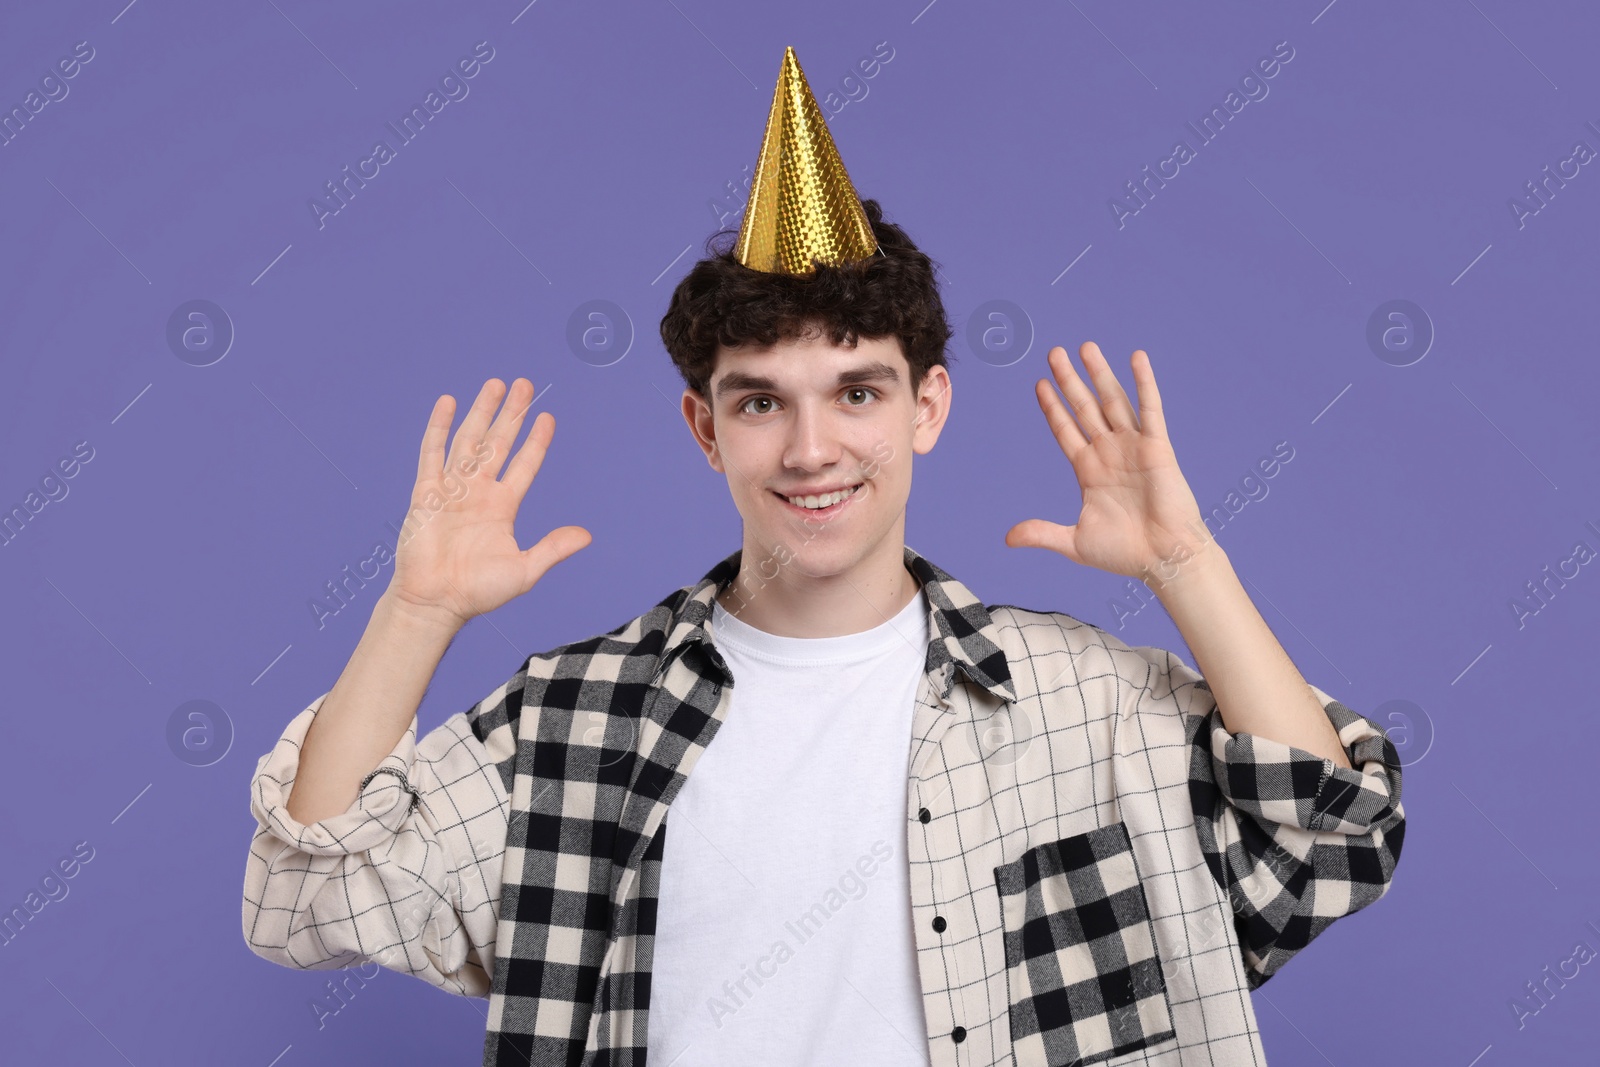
(959, 1034)
(938, 924)
(923, 815)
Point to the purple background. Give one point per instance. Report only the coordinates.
(587, 163)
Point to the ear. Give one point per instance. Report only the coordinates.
(697, 413)
(933, 408)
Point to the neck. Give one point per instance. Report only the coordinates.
(793, 599)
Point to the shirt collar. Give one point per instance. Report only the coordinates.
(961, 631)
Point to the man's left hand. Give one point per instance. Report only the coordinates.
(1139, 515)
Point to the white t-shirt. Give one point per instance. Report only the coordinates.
(783, 933)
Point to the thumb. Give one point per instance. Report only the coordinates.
(1041, 533)
(551, 549)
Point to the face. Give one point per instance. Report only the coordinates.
(808, 419)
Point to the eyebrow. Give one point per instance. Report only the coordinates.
(868, 374)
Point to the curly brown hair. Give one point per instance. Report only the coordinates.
(721, 302)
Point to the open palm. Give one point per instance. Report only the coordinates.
(458, 555)
(1138, 510)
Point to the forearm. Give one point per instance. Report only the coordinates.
(1256, 685)
(369, 708)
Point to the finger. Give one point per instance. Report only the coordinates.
(430, 461)
(1150, 414)
(1041, 533)
(1083, 401)
(1113, 400)
(552, 548)
(506, 426)
(530, 457)
(1066, 431)
(477, 420)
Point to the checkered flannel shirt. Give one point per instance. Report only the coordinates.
(1115, 870)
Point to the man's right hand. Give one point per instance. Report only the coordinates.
(458, 555)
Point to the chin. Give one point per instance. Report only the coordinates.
(824, 556)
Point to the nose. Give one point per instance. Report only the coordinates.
(813, 443)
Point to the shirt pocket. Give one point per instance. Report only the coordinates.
(1084, 974)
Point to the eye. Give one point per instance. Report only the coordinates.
(745, 407)
(860, 389)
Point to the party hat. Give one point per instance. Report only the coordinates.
(802, 205)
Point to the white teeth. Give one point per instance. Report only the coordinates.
(828, 500)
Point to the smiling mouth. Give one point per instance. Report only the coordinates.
(825, 505)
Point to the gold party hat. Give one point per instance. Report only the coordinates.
(802, 205)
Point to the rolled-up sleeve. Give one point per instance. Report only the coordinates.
(1278, 783)
(408, 876)
(1297, 840)
(1293, 839)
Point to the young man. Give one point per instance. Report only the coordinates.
(907, 827)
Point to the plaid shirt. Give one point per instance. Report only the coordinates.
(1113, 870)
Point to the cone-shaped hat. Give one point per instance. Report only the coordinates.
(802, 205)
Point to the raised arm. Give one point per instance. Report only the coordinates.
(457, 558)
(1296, 797)
(369, 844)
